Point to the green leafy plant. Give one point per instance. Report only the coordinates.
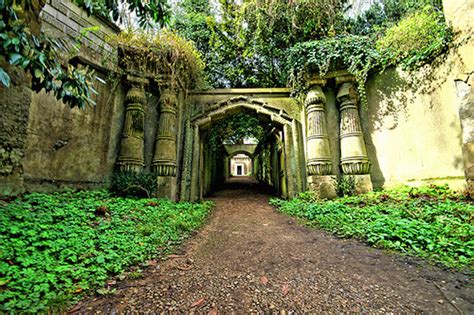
(56, 247)
(39, 56)
(235, 129)
(345, 186)
(133, 184)
(156, 11)
(355, 53)
(431, 222)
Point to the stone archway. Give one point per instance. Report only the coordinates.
(284, 153)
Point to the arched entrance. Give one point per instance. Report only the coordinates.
(278, 161)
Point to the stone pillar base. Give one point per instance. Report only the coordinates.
(324, 186)
(470, 188)
(166, 187)
(362, 183)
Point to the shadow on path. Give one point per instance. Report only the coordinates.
(249, 258)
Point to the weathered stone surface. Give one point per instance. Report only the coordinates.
(465, 92)
(248, 149)
(354, 159)
(323, 186)
(164, 163)
(317, 139)
(14, 107)
(362, 184)
(412, 124)
(132, 146)
(72, 147)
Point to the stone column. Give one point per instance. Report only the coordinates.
(354, 159)
(131, 156)
(164, 158)
(195, 173)
(289, 160)
(318, 165)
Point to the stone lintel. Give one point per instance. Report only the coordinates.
(317, 82)
(348, 78)
(324, 186)
(329, 75)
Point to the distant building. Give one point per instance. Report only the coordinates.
(241, 165)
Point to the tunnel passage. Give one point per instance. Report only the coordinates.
(274, 150)
(253, 149)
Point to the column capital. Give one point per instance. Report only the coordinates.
(347, 94)
(315, 96)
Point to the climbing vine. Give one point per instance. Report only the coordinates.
(277, 43)
(354, 52)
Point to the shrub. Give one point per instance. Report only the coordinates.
(133, 184)
(345, 186)
(415, 39)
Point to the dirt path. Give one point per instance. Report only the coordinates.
(249, 258)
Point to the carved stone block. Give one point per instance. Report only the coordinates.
(363, 184)
(323, 186)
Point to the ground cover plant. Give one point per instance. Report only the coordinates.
(55, 247)
(429, 222)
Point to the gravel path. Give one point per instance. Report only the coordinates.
(249, 258)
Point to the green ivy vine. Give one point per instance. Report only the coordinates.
(415, 40)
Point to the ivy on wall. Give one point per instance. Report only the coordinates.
(415, 40)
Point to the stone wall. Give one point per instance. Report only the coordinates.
(418, 127)
(72, 146)
(14, 104)
(44, 143)
(413, 122)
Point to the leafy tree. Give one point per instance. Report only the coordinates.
(245, 44)
(192, 19)
(146, 11)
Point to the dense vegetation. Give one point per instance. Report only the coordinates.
(430, 222)
(54, 247)
(276, 43)
(251, 43)
(236, 129)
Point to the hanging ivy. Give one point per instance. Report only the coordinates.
(413, 41)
